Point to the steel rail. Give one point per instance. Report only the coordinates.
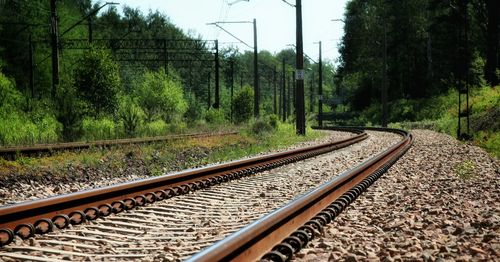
(38, 148)
(40, 216)
(280, 234)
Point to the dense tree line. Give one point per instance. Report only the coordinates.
(427, 45)
(101, 96)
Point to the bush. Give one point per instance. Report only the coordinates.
(274, 121)
(161, 96)
(402, 110)
(265, 125)
(131, 115)
(155, 128)
(17, 128)
(10, 97)
(243, 104)
(260, 127)
(70, 112)
(98, 129)
(215, 116)
(194, 109)
(97, 81)
(179, 127)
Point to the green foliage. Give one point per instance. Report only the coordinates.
(70, 112)
(265, 125)
(194, 108)
(97, 81)
(261, 127)
(98, 129)
(10, 98)
(131, 114)
(215, 116)
(16, 128)
(155, 128)
(243, 104)
(490, 140)
(273, 120)
(476, 70)
(465, 170)
(161, 96)
(402, 109)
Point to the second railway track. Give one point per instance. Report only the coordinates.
(181, 226)
(11, 151)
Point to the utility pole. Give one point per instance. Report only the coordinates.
(283, 90)
(311, 94)
(384, 81)
(217, 87)
(208, 91)
(54, 33)
(289, 97)
(231, 62)
(32, 68)
(255, 71)
(320, 88)
(299, 76)
(294, 92)
(275, 91)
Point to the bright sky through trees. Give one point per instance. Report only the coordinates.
(275, 21)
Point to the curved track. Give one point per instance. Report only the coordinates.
(182, 226)
(40, 216)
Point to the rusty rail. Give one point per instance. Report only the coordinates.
(43, 148)
(40, 216)
(282, 233)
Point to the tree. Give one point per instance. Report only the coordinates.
(97, 82)
(161, 96)
(243, 104)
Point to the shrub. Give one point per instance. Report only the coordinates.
(70, 112)
(155, 128)
(131, 115)
(215, 116)
(260, 127)
(273, 121)
(10, 97)
(178, 127)
(402, 110)
(243, 104)
(98, 129)
(17, 128)
(194, 109)
(97, 81)
(161, 96)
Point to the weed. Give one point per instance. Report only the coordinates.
(465, 170)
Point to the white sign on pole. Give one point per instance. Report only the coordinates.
(299, 74)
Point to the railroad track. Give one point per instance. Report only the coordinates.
(179, 227)
(11, 152)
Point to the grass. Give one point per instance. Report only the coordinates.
(465, 170)
(158, 158)
(440, 115)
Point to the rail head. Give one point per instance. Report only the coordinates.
(257, 239)
(113, 199)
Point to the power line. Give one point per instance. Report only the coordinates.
(286, 2)
(229, 33)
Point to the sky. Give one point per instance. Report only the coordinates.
(275, 22)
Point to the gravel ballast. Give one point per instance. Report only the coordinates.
(17, 188)
(439, 202)
(176, 228)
